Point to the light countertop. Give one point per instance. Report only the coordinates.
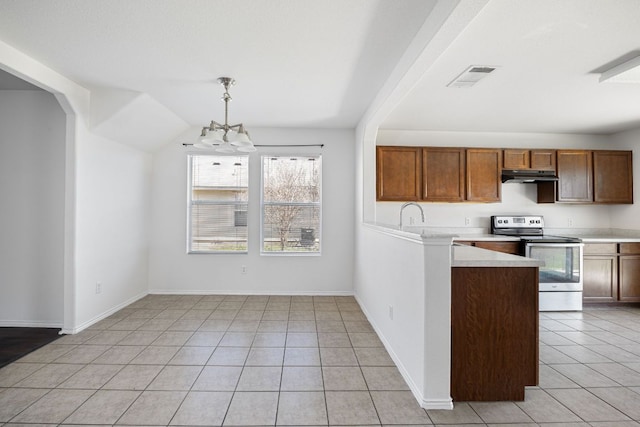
(469, 256)
(599, 235)
(607, 239)
(485, 238)
(587, 235)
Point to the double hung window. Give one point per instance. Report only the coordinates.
(290, 210)
(218, 201)
(291, 204)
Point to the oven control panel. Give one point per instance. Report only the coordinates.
(525, 221)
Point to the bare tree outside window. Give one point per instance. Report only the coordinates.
(291, 204)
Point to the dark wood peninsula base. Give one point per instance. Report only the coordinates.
(494, 332)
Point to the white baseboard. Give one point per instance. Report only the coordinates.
(103, 315)
(30, 324)
(256, 292)
(417, 392)
(437, 404)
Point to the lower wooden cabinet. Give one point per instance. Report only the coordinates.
(600, 272)
(611, 272)
(494, 332)
(629, 283)
(506, 247)
(629, 278)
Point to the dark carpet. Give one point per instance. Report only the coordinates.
(17, 342)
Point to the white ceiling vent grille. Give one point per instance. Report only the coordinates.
(471, 76)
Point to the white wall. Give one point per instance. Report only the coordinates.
(516, 198)
(172, 270)
(628, 216)
(113, 187)
(394, 276)
(32, 179)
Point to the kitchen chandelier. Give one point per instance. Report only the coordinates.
(225, 138)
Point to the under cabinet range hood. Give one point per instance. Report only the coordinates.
(528, 176)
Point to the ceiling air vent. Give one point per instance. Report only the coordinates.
(471, 76)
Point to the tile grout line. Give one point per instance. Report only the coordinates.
(284, 352)
(324, 388)
(549, 365)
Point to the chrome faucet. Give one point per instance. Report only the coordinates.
(407, 204)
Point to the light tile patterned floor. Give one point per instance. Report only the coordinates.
(257, 360)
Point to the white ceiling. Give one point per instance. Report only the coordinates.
(549, 53)
(320, 63)
(297, 63)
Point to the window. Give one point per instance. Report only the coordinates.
(218, 196)
(291, 204)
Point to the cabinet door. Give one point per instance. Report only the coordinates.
(483, 174)
(398, 173)
(600, 249)
(494, 332)
(543, 159)
(630, 248)
(612, 177)
(600, 278)
(443, 174)
(629, 278)
(516, 159)
(506, 247)
(575, 171)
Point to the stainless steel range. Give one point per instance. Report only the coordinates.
(561, 275)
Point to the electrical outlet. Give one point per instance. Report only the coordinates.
(391, 312)
(412, 221)
(243, 269)
(98, 288)
(569, 222)
(467, 221)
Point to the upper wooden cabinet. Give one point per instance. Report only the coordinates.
(516, 159)
(398, 173)
(529, 159)
(612, 177)
(575, 169)
(543, 159)
(438, 174)
(443, 174)
(454, 174)
(483, 174)
(590, 176)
